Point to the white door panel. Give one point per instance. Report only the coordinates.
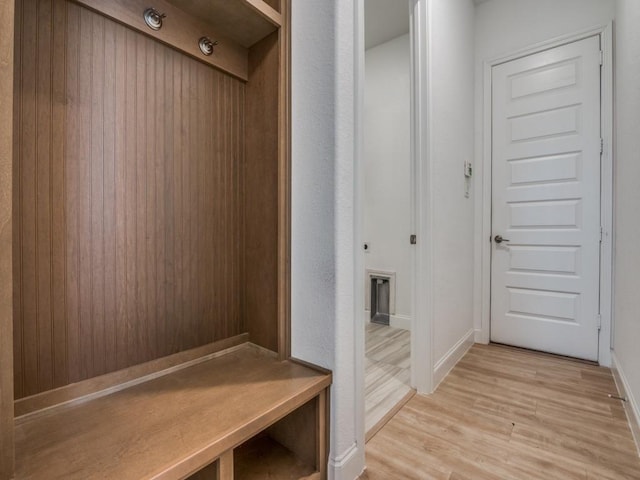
(546, 200)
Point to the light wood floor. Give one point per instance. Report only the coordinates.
(504, 413)
(387, 370)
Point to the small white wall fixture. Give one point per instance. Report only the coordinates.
(484, 206)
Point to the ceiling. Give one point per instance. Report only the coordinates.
(387, 19)
(384, 20)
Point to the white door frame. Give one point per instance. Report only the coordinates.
(483, 204)
(422, 201)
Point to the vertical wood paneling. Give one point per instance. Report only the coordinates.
(160, 219)
(7, 229)
(97, 238)
(28, 189)
(120, 98)
(150, 92)
(70, 200)
(43, 195)
(18, 365)
(58, 233)
(142, 324)
(84, 200)
(128, 236)
(110, 200)
(130, 91)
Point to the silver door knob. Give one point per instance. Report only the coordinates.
(499, 239)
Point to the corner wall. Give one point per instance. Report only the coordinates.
(627, 198)
(451, 78)
(323, 308)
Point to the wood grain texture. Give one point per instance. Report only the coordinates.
(375, 428)
(169, 427)
(260, 194)
(287, 432)
(246, 21)
(509, 413)
(284, 185)
(387, 375)
(109, 382)
(209, 472)
(182, 30)
(128, 227)
(6, 237)
(224, 466)
(264, 458)
(276, 5)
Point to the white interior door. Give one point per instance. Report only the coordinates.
(546, 200)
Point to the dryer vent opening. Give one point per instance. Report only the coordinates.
(380, 300)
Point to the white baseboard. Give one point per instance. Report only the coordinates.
(631, 405)
(348, 466)
(453, 356)
(395, 321)
(480, 336)
(400, 321)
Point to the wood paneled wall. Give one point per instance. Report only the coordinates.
(127, 231)
(6, 239)
(260, 176)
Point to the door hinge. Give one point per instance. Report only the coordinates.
(601, 146)
(601, 234)
(413, 239)
(599, 322)
(601, 57)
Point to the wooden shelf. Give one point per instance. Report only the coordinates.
(235, 25)
(168, 427)
(244, 21)
(262, 457)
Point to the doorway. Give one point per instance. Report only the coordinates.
(546, 187)
(387, 210)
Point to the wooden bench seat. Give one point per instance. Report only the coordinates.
(171, 426)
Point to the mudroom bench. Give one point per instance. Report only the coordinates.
(240, 413)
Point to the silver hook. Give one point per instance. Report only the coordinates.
(206, 45)
(153, 18)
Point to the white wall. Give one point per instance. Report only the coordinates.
(627, 198)
(323, 183)
(451, 77)
(503, 27)
(387, 157)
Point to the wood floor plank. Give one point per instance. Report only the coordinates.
(387, 372)
(507, 413)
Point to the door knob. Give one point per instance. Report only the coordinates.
(499, 239)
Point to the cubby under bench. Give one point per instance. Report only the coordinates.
(239, 413)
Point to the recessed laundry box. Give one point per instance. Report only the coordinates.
(380, 299)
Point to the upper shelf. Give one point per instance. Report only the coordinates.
(234, 26)
(244, 21)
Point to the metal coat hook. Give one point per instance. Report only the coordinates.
(153, 18)
(206, 45)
